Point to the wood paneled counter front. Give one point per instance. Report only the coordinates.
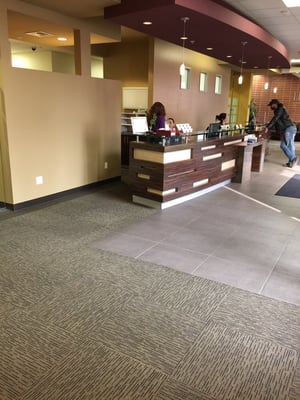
(168, 175)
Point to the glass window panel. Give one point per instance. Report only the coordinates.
(203, 81)
(218, 84)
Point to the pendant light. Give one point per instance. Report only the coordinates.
(240, 80)
(266, 85)
(183, 38)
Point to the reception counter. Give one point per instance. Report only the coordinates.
(167, 175)
(250, 158)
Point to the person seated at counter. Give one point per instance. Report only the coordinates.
(221, 117)
(177, 129)
(214, 127)
(171, 125)
(156, 117)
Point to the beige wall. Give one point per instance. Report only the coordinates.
(63, 62)
(63, 128)
(5, 178)
(126, 61)
(5, 173)
(59, 126)
(191, 105)
(155, 63)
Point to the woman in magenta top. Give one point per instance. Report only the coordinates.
(156, 117)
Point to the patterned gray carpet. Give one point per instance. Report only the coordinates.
(79, 323)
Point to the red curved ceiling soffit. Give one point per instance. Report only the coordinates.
(211, 24)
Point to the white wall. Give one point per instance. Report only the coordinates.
(97, 67)
(63, 62)
(41, 61)
(135, 98)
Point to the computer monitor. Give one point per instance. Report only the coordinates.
(139, 125)
(213, 129)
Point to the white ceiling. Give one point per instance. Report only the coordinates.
(272, 15)
(75, 8)
(282, 22)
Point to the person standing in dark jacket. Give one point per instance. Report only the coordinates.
(282, 123)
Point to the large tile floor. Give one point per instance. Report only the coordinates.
(242, 235)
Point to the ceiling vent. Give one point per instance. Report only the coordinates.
(39, 34)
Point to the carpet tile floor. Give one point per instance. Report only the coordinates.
(102, 299)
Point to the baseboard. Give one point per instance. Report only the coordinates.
(59, 195)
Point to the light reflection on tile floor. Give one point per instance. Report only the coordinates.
(242, 235)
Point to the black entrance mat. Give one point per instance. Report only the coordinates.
(291, 188)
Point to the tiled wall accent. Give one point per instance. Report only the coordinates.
(288, 92)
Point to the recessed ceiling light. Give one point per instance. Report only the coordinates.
(209, 48)
(62, 39)
(39, 34)
(229, 56)
(292, 3)
(184, 38)
(147, 23)
(295, 60)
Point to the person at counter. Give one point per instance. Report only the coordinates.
(221, 117)
(172, 125)
(156, 117)
(282, 123)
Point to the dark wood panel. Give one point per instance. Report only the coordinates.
(184, 177)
